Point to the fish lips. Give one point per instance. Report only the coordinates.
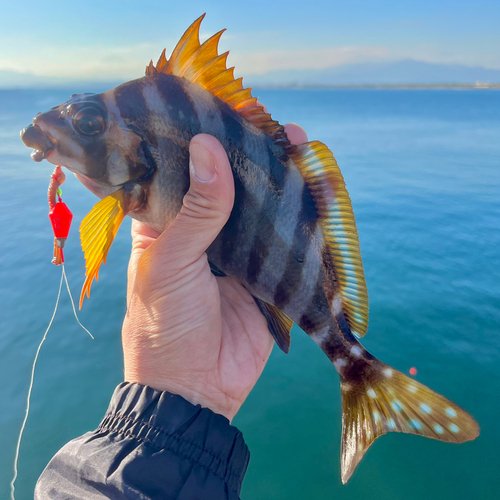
(34, 137)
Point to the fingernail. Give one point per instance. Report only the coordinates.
(202, 163)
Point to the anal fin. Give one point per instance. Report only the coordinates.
(216, 271)
(279, 324)
(97, 233)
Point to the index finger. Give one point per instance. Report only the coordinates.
(296, 134)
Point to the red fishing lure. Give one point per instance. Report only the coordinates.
(60, 215)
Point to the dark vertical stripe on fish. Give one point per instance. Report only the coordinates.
(317, 311)
(178, 102)
(261, 245)
(334, 295)
(306, 225)
(246, 203)
(132, 105)
(229, 236)
(96, 150)
(267, 218)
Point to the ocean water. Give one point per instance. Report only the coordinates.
(423, 171)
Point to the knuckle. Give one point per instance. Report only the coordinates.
(201, 206)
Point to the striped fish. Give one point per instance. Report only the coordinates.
(291, 238)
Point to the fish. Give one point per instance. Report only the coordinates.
(291, 239)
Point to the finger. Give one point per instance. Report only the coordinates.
(206, 206)
(142, 237)
(141, 230)
(296, 134)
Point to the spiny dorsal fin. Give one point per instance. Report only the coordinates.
(203, 65)
(97, 232)
(322, 174)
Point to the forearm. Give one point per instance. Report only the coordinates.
(150, 444)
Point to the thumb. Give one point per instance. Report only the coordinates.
(206, 206)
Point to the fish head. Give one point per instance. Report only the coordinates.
(88, 136)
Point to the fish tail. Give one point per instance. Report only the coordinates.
(377, 399)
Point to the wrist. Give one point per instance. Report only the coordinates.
(192, 391)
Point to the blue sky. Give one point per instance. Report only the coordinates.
(116, 39)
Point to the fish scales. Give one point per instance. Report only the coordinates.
(253, 219)
(291, 238)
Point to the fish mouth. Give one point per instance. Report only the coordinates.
(34, 137)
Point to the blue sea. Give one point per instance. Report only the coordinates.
(423, 171)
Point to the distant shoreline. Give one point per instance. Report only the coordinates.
(296, 86)
(409, 86)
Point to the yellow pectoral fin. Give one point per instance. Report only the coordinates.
(97, 232)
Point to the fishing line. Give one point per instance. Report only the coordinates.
(30, 389)
(73, 303)
(18, 447)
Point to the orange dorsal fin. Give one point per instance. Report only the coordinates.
(203, 65)
(97, 232)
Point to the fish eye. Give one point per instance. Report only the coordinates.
(89, 121)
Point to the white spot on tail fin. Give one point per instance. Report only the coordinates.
(451, 412)
(438, 429)
(397, 406)
(412, 388)
(387, 372)
(356, 351)
(376, 416)
(426, 408)
(453, 428)
(391, 424)
(371, 393)
(415, 423)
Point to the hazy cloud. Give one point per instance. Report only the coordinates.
(96, 63)
(128, 62)
(258, 63)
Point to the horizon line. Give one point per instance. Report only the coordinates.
(295, 86)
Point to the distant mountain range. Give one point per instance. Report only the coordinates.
(14, 80)
(407, 72)
(390, 73)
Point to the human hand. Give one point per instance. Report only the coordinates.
(186, 331)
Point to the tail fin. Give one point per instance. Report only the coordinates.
(380, 399)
